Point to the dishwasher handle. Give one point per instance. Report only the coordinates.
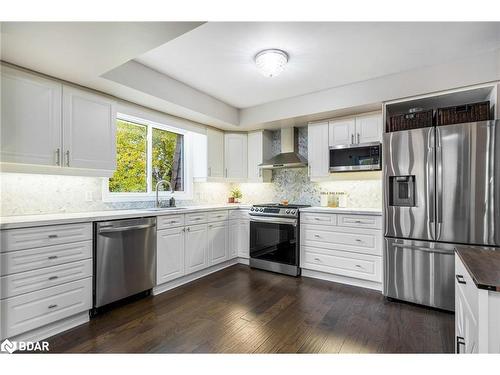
(127, 228)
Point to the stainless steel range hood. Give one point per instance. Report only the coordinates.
(289, 156)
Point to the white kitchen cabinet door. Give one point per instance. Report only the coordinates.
(235, 156)
(215, 153)
(31, 118)
(234, 238)
(89, 130)
(317, 148)
(368, 129)
(169, 254)
(244, 239)
(217, 242)
(196, 248)
(341, 132)
(259, 150)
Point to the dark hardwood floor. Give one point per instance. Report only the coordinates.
(239, 310)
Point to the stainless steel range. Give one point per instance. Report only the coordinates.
(274, 238)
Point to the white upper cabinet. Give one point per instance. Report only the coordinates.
(369, 128)
(355, 130)
(317, 150)
(259, 150)
(89, 128)
(341, 132)
(235, 156)
(31, 118)
(48, 127)
(215, 153)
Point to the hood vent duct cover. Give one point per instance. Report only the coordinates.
(289, 156)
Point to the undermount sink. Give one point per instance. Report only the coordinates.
(165, 208)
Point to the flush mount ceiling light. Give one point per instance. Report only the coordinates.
(271, 62)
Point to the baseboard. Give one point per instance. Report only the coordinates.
(245, 261)
(49, 330)
(342, 279)
(193, 276)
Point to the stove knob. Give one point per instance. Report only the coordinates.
(287, 211)
(251, 209)
(293, 212)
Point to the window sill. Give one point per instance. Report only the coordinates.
(130, 197)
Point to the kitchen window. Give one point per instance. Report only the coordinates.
(147, 152)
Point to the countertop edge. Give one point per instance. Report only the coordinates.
(489, 287)
(86, 217)
(353, 211)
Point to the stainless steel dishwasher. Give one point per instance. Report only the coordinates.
(124, 259)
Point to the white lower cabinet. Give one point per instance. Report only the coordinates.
(477, 315)
(196, 245)
(185, 245)
(217, 242)
(45, 276)
(346, 246)
(169, 254)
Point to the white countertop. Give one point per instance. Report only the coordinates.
(352, 211)
(10, 222)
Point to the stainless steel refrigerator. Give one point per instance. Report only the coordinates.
(441, 188)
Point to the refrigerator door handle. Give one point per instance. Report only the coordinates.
(439, 183)
(430, 179)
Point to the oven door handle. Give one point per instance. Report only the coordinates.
(274, 220)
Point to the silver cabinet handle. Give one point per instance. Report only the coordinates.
(210, 225)
(358, 138)
(460, 341)
(352, 138)
(58, 156)
(183, 229)
(359, 266)
(226, 172)
(317, 236)
(188, 229)
(358, 240)
(52, 306)
(52, 257)
(52, 236)
(317, 260)
(53, 277)
(260, 172)
(67, 158)
(460, 279)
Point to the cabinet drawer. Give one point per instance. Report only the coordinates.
(469, 289)
(170, 221)
(360, 266)
(196, 218)
(36, 309)
(27, 260)
(367, 241)
(239, 214)
(28, 238)
(360, 221)
(31, 281)
(218, 215)
(314, 218)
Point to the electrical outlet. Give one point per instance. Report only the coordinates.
(88, 196)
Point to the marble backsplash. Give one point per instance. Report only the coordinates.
(25, 194)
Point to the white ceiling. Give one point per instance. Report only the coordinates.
(217, 58)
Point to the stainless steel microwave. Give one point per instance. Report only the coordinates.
(360, 157)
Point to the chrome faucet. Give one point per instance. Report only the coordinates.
(172, 199)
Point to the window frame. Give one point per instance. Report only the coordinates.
(150, 193)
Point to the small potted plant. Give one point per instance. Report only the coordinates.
(235, 195)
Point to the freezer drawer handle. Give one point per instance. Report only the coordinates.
(460, 279)
(426, 249)
(460, 341)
